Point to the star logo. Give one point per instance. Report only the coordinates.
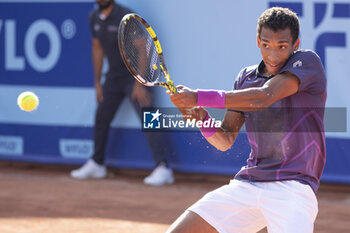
(156, 115)
(151, 119)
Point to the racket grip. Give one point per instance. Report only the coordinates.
(208, 132)
(211, 99)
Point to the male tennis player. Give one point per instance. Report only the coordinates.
(281, 100)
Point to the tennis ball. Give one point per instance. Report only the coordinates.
(27, 101)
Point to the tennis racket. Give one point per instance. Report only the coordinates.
(141, 52)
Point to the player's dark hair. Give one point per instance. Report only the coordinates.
(278, 18)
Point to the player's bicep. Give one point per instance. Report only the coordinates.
(281, 86)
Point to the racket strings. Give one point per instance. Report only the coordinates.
(140, 51)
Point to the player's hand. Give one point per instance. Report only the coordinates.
(184, 97)
(99, 92)
(141, 95)
(197, 113)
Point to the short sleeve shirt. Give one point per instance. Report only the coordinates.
(106, 31)
(287, 139)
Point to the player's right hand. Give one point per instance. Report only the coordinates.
(99, 92)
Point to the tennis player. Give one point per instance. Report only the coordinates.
(281, 101)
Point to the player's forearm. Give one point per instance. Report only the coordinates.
(222, 140)
(250, 99)
(218, 137)
(223, 137)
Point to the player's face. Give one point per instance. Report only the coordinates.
(276, 47)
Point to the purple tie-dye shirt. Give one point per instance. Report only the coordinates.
(287, 139)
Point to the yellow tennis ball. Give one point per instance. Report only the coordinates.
(28, 101)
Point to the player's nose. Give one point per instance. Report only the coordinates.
(273, 57)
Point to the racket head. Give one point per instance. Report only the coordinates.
(142, 53)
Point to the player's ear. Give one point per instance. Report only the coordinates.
(258, 41)
(296, 44)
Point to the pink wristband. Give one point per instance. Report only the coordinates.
(208, 132)
(211, 99)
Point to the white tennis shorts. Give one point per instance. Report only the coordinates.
(242, 206)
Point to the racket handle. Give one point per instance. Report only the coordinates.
(170, 84)
(211, 99)
(171, 87)
(208, 132)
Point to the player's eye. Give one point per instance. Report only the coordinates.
(266, 46)
(283, 47)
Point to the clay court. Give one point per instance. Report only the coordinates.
(43, 198)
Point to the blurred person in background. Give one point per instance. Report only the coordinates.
(104, 23)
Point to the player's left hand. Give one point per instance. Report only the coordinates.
(196, 113)
(184, 97)
(141, 95)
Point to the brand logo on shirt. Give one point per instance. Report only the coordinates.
(297, 64)
(97, 27)
(112, 28)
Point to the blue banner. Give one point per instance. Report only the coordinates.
(45, 44)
